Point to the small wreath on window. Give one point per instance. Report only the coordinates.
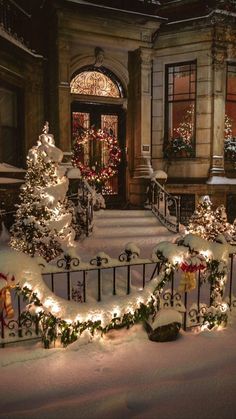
(97, 173)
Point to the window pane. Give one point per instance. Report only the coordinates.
(181, 120)
(110, 123)
(230, 106)
(231, 82)
(181, 82)
(80, 121)
(180, 106)
(230, 110)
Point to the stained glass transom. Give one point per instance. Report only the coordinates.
(94, 83)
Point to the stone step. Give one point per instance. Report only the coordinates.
(133, 223)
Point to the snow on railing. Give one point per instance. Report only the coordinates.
(161, 201)
(193, 276)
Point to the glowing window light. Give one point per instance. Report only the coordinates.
(94, 83)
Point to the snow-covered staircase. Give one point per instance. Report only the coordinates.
(113, 229)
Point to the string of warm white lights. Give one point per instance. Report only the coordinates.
(67, 320)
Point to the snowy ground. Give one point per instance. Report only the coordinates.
(123, 375)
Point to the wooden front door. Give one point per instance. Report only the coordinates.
(112, 118)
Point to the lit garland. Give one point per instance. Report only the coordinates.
(97, 173)
(66, 320)
(52, 327)
(214, 271)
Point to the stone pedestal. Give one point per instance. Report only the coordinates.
(138, 191)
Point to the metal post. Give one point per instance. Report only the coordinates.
(231, 279)
(128, 279)
(84, 285)
(114, 281)
(185, 313)
(68, 287)
(198, 290)
(99, 285)
(52, 282)
(19, 313)
(2, 325)
(172, 289)
(144, 274)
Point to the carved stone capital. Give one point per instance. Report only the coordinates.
(146, 56)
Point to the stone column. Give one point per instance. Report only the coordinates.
(218, 108)
(33, 102)
(64, 95)
(139, 123)
(142, 126)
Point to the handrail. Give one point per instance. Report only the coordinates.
(83, 201)
(160, 201)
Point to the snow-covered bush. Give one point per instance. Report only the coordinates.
(44, 215)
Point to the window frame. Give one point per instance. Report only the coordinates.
(228, 64)
(167, 101)
(108, 73)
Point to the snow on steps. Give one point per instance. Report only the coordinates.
(113, 229)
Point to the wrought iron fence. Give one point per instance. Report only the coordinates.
(15, 21)
(160, 201)
(84, 283)
(83, 202)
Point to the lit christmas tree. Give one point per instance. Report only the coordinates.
(230, 141)
(201, 221)
(44, 215)
(228, 128)
(222, 225)
(185, 128)
(210, 224)
(181, 142)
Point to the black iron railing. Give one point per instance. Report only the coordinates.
(83, 202)
(80, 276)
(15, 21)
(84, 283)
(160, 201)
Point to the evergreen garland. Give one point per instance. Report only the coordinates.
(52, 327)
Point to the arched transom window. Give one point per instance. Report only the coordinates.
(94, 82)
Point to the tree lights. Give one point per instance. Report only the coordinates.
(44, 215)
(209, 224)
